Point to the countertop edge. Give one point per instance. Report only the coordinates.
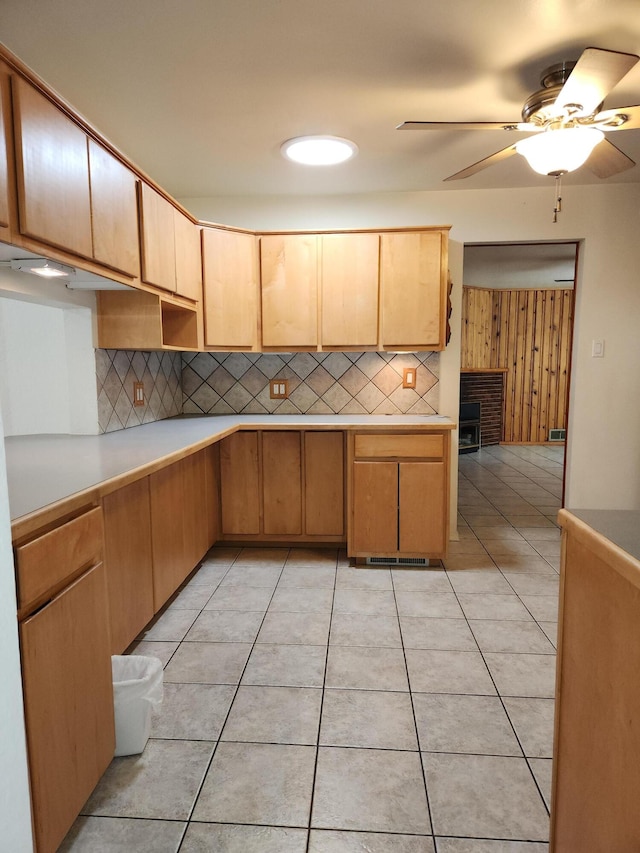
(176, 439)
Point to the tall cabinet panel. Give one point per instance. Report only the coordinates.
(289, 272)
(5, 105)
(324, 483)
(231, 289)
(167, 531)
(52, 172)
(114, 211)
(128, 560)
(350, 264)
(281, 482)
(240, 483)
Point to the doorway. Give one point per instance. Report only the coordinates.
(517, 332)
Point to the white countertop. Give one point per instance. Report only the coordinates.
(44, 469)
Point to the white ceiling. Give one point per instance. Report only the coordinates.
(201, 93)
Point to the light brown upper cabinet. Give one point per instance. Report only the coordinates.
(349, 312)
(413, 285)
(157, 239)
(4, 163)
(170, 242)
(289, 274)
(231, 289)
(188, 257)
(52, 166)
(114, 212)
(72, 193)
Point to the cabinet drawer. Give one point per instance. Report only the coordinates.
(46, 562)
(399, 446)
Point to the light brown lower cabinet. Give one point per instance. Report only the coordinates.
(398, 495)
(68, 696)
(282, 485)
(128, 561)
(596, 771)
(182, 502)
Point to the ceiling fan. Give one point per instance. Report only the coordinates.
(566, 119)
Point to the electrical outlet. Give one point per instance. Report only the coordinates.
(409, 377)
(138, 394)
(278, 389)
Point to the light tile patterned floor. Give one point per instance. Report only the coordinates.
(312, 707)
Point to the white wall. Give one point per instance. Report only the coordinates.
(47, 363)
(15, 813)
(603, 452)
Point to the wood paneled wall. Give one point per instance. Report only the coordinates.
(529, 333)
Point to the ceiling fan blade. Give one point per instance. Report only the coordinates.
(483, 164)
(594, 76)
(620, 118)
(525, 127)
(607, 159)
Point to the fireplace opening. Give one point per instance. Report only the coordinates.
(469, 434)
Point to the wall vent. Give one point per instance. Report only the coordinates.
(557, 434)
(397, 561)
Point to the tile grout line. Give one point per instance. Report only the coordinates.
(237, 688)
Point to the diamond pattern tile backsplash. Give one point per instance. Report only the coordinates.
(117, 370)
(350, 383)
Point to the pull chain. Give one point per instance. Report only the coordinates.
(558, 208)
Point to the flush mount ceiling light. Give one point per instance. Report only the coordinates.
(42, 267)
(318, 150)
(558, 151)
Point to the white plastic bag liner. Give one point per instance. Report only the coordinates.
(137, 687)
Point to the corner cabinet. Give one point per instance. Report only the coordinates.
(282, 486)
(398, 495)
(231, 285)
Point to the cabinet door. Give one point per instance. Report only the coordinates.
(157, 239)
(422, 509)
(114, 212)
(52, 166)
(350, 264)
(240, 483)
(375, 508)
(5, 106)
(324, 483)
(128, 561)
(197, 482)
(68, 694)
(167, 531)
(188, 257)
(231, 289)
(413, 289)
(289, 281)
(281, 482)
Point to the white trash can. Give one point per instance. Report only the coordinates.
(137, 687)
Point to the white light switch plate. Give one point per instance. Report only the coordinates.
(597, 349)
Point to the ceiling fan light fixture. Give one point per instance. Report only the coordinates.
(318, 150)
(557, 151)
